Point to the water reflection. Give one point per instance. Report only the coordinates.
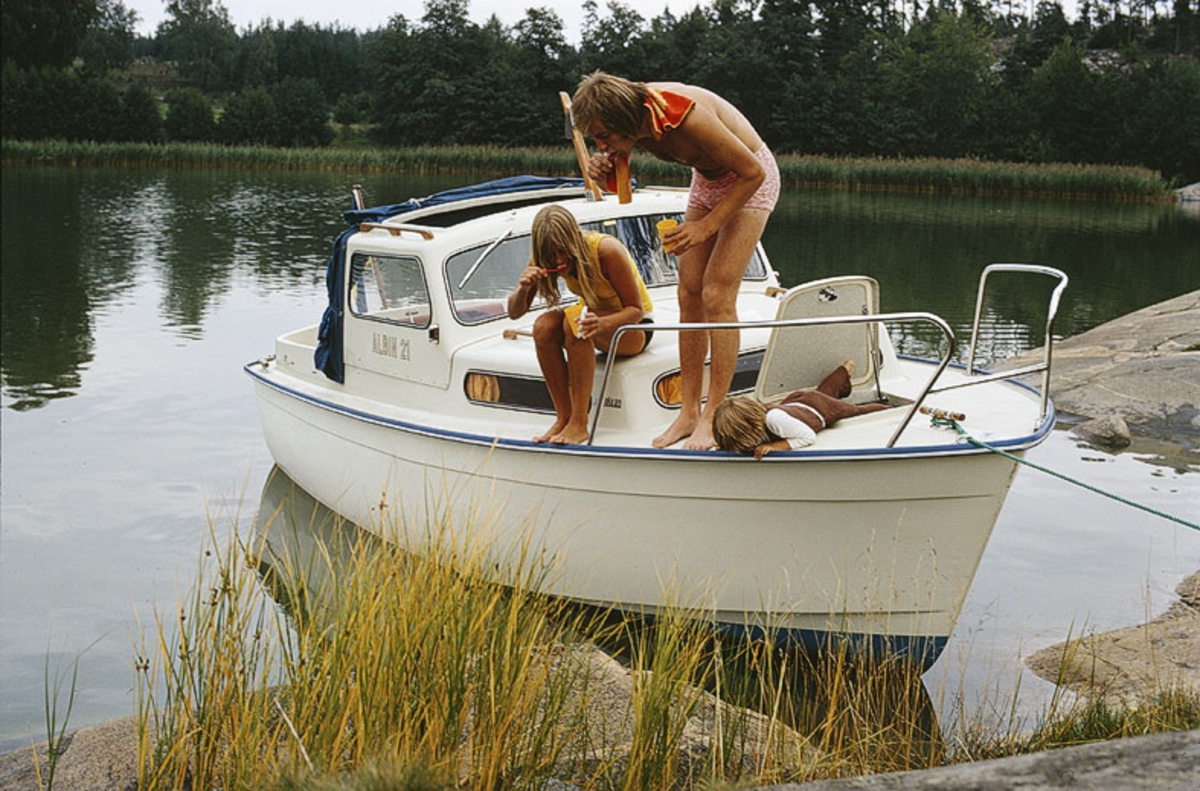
(927, 253)
(874, 716)
(79, 243)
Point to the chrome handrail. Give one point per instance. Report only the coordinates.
(876, 318)
(1051, 312)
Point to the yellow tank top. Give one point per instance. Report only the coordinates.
(604, 297)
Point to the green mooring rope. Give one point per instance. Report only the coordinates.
(944, 421)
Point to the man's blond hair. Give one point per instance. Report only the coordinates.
(740, 424)
(615, 103)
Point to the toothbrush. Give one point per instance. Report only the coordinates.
(582, 316)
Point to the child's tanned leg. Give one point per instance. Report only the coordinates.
(548, 337)
(581, 372)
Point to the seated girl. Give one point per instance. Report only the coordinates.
(743, 424)
(600, 271)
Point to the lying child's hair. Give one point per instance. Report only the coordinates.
(740, 424)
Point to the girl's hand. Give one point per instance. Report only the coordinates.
(530, 276)
(767, 447)
(589, 325)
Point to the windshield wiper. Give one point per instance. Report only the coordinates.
(486, 251)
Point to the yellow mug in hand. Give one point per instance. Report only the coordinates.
(663, 227)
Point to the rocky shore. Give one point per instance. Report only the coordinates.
(1143, 371)
(1134, 379)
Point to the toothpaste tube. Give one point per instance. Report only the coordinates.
(579, 323)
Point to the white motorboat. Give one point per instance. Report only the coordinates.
(415, 401)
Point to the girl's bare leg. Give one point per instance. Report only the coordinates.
(548, 340)
(581, 372)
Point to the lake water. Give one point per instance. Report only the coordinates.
(131, 299)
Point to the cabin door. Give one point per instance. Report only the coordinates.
(391, 328)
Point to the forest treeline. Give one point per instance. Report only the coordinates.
(986, 79)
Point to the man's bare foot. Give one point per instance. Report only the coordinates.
(849, 366)
(681, 428)
(557, 428)
(701, 438)
(570, 435)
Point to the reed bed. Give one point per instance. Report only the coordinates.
(957, 176)
(354, 665)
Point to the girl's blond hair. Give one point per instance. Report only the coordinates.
(556, 232)
(615, 103)
(740, 424)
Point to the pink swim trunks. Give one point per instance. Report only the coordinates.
(705, 193)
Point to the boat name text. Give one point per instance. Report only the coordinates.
(391, 346)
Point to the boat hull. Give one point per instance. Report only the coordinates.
(875, 547)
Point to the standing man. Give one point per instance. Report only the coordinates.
(735, 184)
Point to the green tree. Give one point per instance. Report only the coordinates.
(108, 43)
(250, 117)
(433, 78)
(332, 56)
(199, 37)
(613, 42)
(354, 108)
(1036, 41)
(189, 116)
(303, 114)
(258, 64)
(540, 62)
(1162, 122)
(139, 120)
(942, 77)
(1074, 111)
(44, 32)
(841, 25)
(785, 33)
(53, 102)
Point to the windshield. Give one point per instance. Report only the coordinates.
(474, 290)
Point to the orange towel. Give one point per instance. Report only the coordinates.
(667, 110)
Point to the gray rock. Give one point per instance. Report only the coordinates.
(1145, 763)
(1105, 432)
(1144, 367)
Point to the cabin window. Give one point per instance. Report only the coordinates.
(503, 390)
(668, 388)
(389, 288)
(640, 235)
(481, 277)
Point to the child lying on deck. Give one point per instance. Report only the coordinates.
(743, 424)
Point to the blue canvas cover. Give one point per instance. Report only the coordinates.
(328, 356)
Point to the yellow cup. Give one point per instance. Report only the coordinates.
(663, 227)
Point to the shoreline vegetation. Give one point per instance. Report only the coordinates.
(953, 176)
(313, 655)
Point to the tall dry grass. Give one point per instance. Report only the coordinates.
(352, 664)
